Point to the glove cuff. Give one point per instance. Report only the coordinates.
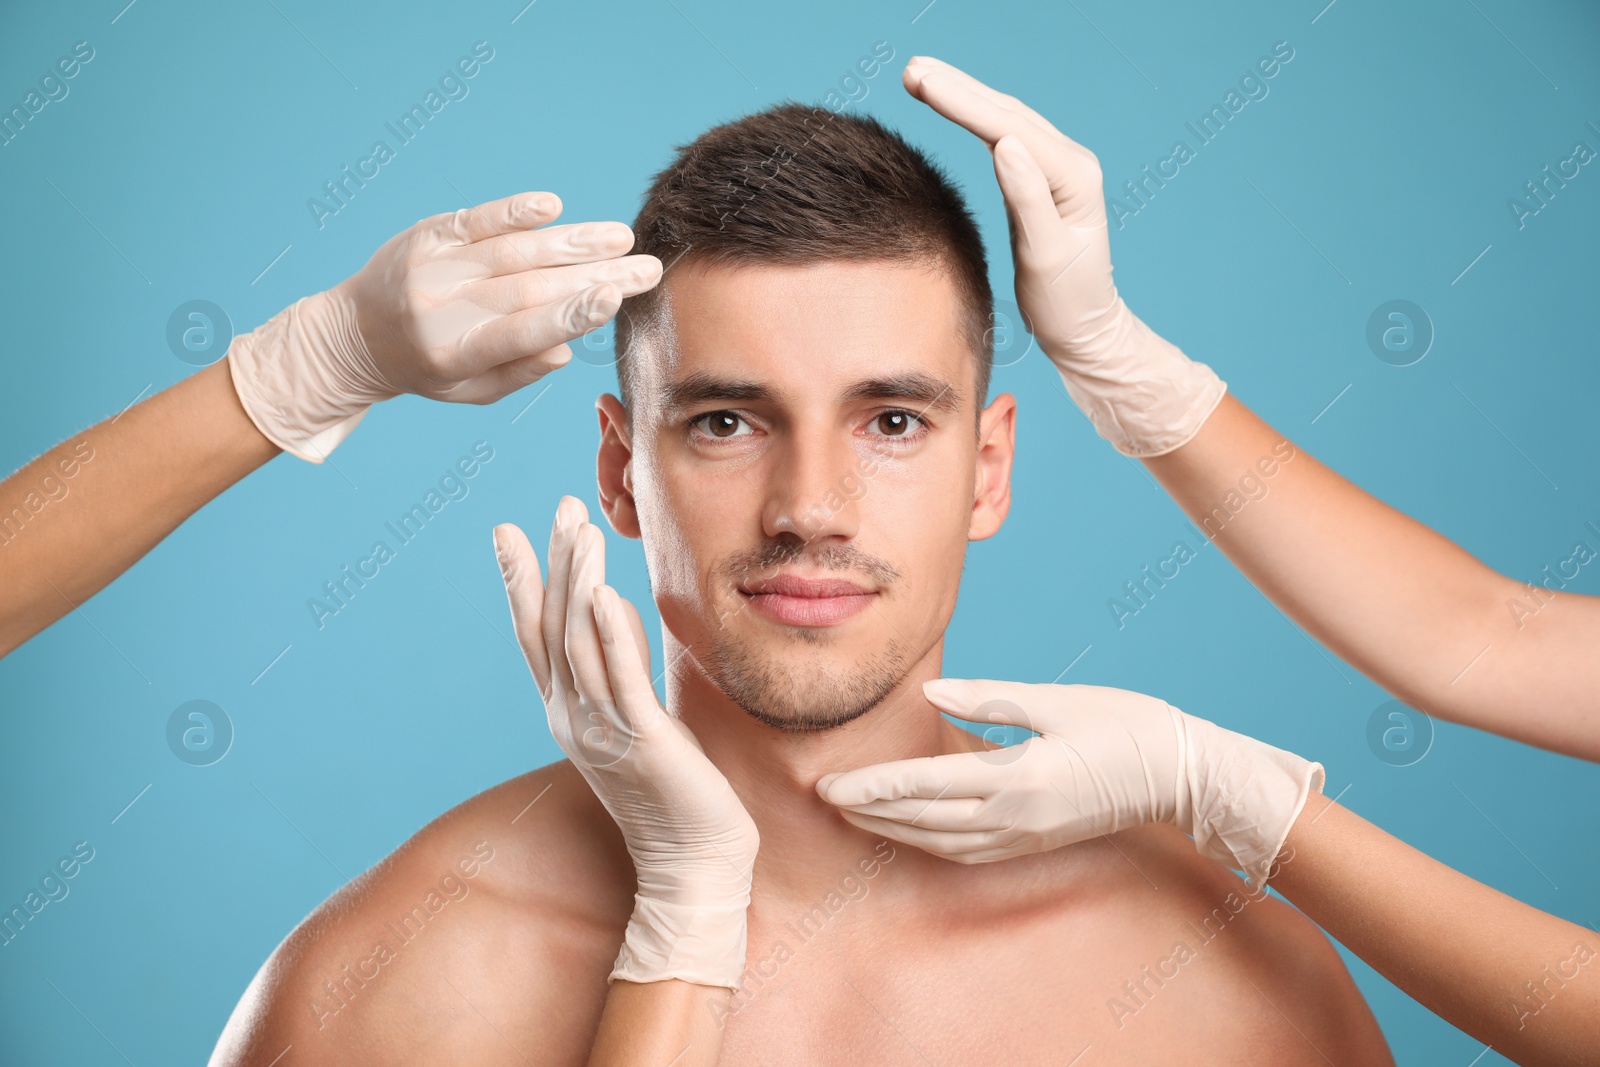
(701, 944)
(1312, 777)
(1140, 391)
(300, 375)
(1244, 797)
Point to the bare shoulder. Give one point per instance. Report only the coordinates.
(1206, 941)
(498, 915)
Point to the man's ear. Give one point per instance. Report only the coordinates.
(614, 466)
(997, 444)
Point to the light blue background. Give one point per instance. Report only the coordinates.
(181, 163)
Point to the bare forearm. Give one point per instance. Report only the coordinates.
(1403, 604)
(82, 513)
(657, 1024)
(1522, 981)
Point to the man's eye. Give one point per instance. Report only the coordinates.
(897, 423)
(721, 424)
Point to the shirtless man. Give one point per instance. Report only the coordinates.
(802, 398)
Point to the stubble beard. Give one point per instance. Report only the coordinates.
(798, 698)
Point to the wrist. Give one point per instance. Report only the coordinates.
(702, 943)
(227, 422)
(1244, 796)
(1140, 391)
(304, 376)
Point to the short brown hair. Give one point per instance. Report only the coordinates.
(796, 184)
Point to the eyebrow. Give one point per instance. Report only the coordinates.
(925, 389)
(698, 388)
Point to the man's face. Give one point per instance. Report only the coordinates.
(806, 470)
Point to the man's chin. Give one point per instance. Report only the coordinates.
(799, 694)
(799, 720)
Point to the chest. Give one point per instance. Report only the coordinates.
(858, 992)
(1044, 979)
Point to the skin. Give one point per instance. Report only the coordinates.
(1515, 978)
(661, 1022)
(136, 477)
(918, 958)
(1404, 605)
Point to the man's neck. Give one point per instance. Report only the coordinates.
(806, 845)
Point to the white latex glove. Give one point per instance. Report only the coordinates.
(691, 840)
(1106, 760)
(465, 306)
(1140, 391)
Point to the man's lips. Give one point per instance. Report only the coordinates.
(796, 601)
(811, 588)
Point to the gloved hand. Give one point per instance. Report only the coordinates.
(691, 840)
(465, 306)
(1140, 391)
(1106, 760)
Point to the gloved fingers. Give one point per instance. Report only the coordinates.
(990, 855)
(570, 514)
(520, 211)
(508, 337)
(1072, 170)
(627, 669)
(584, 652)
(949, 95)
(506, 294)
(950, 845)
(920, 66)
(956, 774)
(641, 642)
(954, 814)
(519, 568)
(554, 246)
(498, 382)
(1074, 186)
(1035, 220)
(990, 702)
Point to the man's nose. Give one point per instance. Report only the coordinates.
(815, 485)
